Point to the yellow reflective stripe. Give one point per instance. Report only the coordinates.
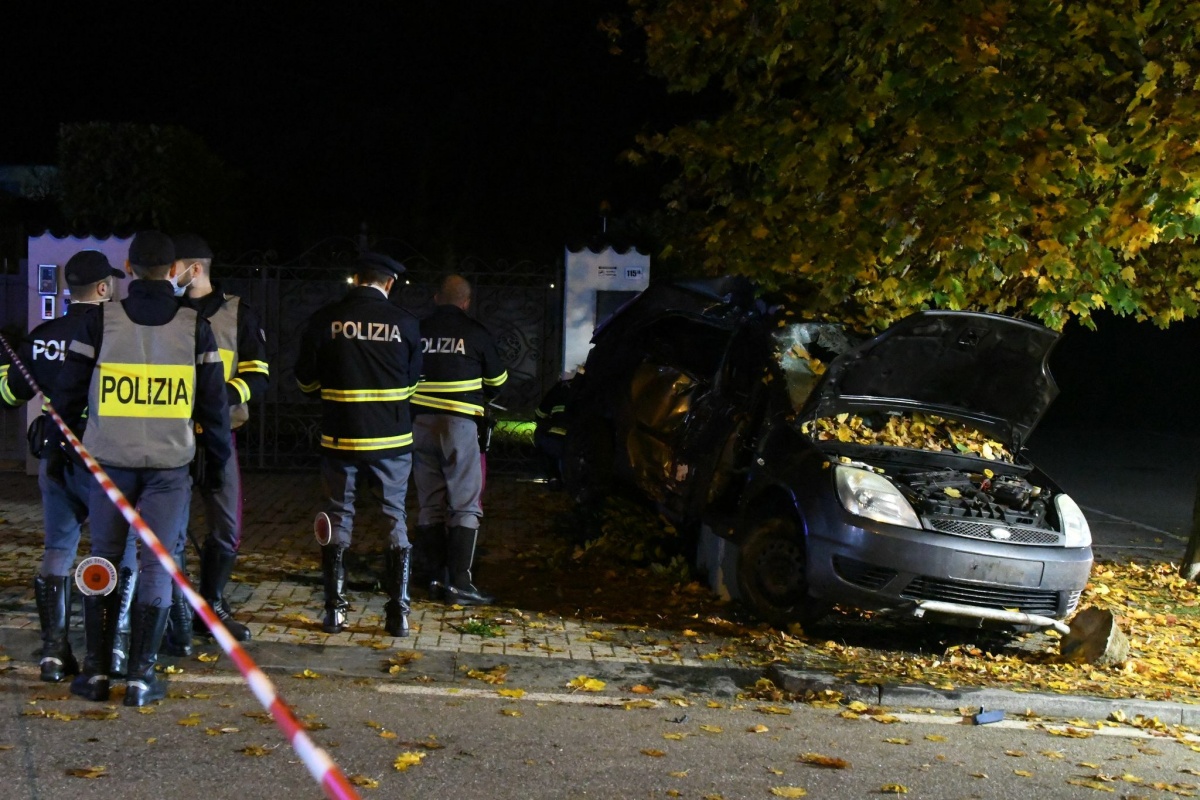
(559, 431)
(6, 392)
(558, 409)
(410, 391)
(309, 387)
(540, 414)
(496, 381)
(254, 366)
(382, 443)
(447, 405)
(450, 386)
(365, 395)
(243, 389)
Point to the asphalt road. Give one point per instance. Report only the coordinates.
(209, 741)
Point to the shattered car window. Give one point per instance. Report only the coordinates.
(802, 351)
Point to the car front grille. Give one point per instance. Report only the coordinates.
(861, 573)
(983, 530)
(1029, 601)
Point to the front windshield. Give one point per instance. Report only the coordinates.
(803, 349)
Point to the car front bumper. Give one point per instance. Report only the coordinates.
(875, 565)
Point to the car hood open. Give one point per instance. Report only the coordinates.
(986, 368)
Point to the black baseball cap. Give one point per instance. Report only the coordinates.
(189, 246)
(89, 266)
(380, 263)
(151, 249)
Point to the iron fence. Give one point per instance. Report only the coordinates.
(519, 302)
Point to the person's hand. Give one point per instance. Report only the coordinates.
(214, 475)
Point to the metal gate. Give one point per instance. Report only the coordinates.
(521, 303)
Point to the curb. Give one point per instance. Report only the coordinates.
(1039, 704)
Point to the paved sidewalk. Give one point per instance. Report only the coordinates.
(277, 592)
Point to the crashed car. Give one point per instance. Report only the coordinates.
(883, 473)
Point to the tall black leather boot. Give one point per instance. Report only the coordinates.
(333, 570)
(215, 568)
(428, 560)
(460, 557)
(126, 587)
(99, 627)
(177, 641)
(53, 594)
(143, 685)
(397, 562)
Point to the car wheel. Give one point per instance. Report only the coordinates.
(587, 461)
(772, 574)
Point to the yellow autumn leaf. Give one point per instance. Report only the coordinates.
(307, 674)
(893, 788)
(515, 693)
(387, 734)
(88, 772)
(789, 791)
(758, 729)
(510, 712)
(933, 737)
(255, 750)
(407, 759)
(675, 737)
(171, 669)
(1090, 784)
(818, 760)
(678, 774)
(711, 728)
(190, 721)
(363, 781)
(1024, 773)
(632, 704)
(207, 658)
(641, 689)
(886, 719)
(583, 683)
(653, 753)
(898, 740)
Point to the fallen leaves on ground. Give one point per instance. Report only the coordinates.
(818, 760)
(496, 675)
(407, 759)
(88, 772)
(583, 683)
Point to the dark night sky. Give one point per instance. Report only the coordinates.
(492, 124)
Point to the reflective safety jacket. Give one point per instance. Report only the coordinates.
(146, 370)
(362, 356)
(462, 368)
(243, 348)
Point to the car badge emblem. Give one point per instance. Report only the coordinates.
(1000, 533)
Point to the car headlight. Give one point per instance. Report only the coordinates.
(866, 494)
(1074, 523)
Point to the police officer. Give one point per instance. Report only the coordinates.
(362, 357)
(147, 371)
(550, 432)
(243, 348)
(462, 368)
(64, 486)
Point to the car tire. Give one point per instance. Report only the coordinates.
(773, 574)
(587, 462)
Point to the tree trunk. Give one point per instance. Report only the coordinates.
(1190, 567)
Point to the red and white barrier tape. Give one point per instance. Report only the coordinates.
(327, 774)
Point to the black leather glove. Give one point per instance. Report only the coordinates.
(214, 475)
(196, 468)
(56, 463)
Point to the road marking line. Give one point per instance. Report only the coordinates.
(1134, 523)
(540, 697)
(1121, 732)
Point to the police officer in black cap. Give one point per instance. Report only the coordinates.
(65, 486)
(147, 371)
(362, 356)
(243, 348)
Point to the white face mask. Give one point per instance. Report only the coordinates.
(178, 287)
